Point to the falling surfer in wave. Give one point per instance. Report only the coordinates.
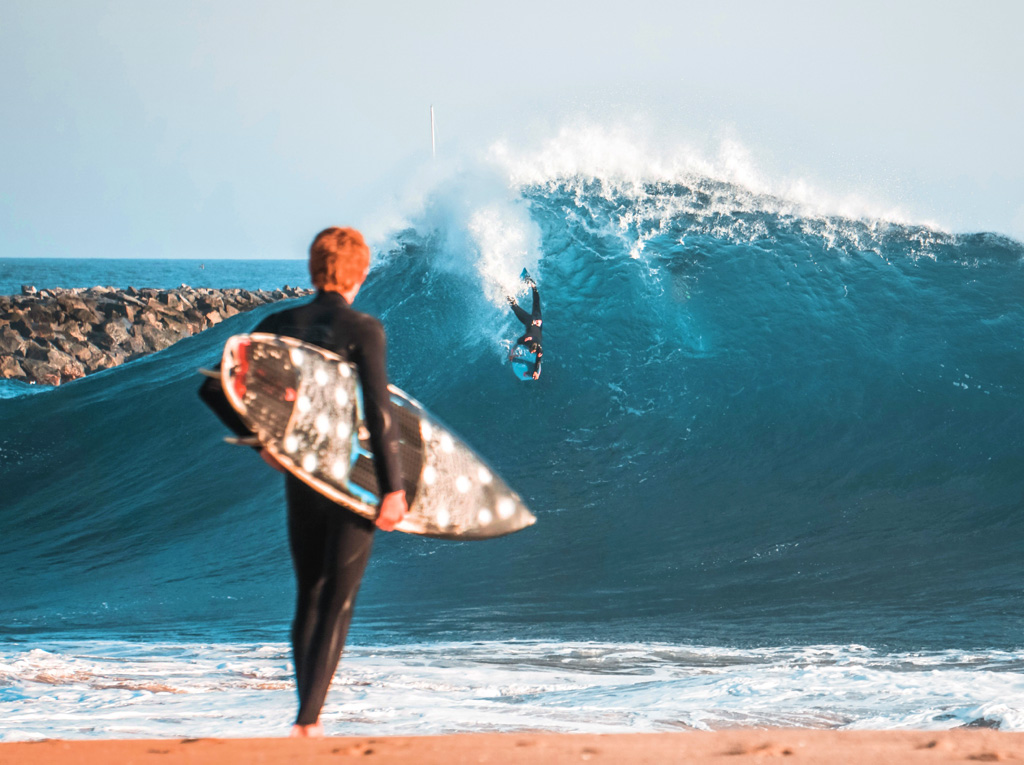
(527, 349)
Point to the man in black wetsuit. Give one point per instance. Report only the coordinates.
(330, 545)
(532, 338)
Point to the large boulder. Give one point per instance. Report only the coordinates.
(90, 355)
(158, 338)
(41, 371)
(10, 369)
(136, 342)
(66, 365)
(34, 350)
(111, 335)
(74, 330)
(108, 360)
(10, 341)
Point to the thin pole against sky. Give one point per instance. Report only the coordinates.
(433, 134)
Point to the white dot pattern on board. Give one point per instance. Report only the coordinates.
(506, 507)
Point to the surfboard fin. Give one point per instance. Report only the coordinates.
(212, 373)
(242, 440)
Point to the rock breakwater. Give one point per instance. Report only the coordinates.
(52, 336)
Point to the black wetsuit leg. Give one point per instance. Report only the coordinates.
(535, 312)
(523, 316)
(330, 549)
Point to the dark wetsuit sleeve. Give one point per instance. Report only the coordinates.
(212, 394)
(371, 361)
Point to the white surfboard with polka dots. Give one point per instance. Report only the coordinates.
(304, 405)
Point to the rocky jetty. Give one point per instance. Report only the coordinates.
(53, 336)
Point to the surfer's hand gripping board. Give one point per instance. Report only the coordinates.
(304, 407)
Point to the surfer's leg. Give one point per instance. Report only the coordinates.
(330, 550)
(306, 535)
(329, 572)
(522, 315)
(535, 312)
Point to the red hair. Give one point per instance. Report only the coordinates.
(338, 259)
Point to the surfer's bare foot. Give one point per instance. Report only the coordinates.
(316, 730)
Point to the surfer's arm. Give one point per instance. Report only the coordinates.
(373, 376)
(212, 394)
(536, 364)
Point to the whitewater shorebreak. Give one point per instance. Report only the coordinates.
(159, 690)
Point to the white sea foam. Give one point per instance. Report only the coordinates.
(508, 241)
(118, 689)
(481, 208)
(626, 159)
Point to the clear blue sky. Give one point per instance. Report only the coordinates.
(239, 128)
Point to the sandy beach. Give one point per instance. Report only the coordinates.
(735, 746)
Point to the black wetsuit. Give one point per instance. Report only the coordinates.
(330, 545)
(532, 321)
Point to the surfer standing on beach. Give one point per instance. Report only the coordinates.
(531, 339)
(330, 545)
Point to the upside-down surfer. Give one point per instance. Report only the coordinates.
(330, 545)
(532, 338)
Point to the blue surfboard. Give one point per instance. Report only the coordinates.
(522, 362)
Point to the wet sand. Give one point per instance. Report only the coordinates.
(721, 748)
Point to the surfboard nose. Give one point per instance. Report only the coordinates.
(511, 515)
